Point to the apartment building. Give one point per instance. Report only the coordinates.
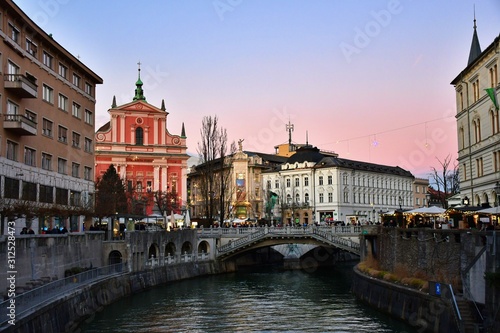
(47, 107)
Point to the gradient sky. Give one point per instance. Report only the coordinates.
(368, 79)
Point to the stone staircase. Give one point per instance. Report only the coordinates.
(467, 313)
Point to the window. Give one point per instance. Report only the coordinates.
(321, 198)
(46, 161)
(306, 198)
(75, 198)
(345, 180)
(297, 198)
(31, 47)
(88, 117)
(475, 90)
(330, 180)
(320, 180)
(75, 170)
(496, 161)
(61, 165)
(12, 109)
(76, 80)
(30, 115)
(493, 76)
(29, 156)
(12, 150)
(87, 173)
(477, 130)
(417, 188)
(11, 189)
(139, 136)
(276, 183)
(62, 134)
(29, 191)
(47, 127)
(14, 33)
(306, 181)
(464, 171)
(288, 182)
(61, 196)
(63, 71)
(76, 110)
(88, 88)
(48, 94)
(330, 197)
(12, 70)
(494, 121)
(88, 145)
(63, 103)
(47, 59)
(297, 182)
(479, 166)
(76, 140)
(46, 194)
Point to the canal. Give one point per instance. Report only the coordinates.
(267, 300)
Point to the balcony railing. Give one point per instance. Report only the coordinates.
(19, 124)
(22, 85)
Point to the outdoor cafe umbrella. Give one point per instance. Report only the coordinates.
(433, 210)
(492, 210)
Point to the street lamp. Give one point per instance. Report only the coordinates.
(428, 198)
(465, 201)
(400, 202)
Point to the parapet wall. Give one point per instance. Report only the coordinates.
(37, 257)
(424, 312)
(70, 310)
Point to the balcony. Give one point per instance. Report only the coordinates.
(19, 124)
(23, 86)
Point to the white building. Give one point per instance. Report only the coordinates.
(313, 186)
(478, 124)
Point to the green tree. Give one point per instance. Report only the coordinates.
(111, 195)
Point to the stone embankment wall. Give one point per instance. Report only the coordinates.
(70, 310)
(46, 257)
(425, 312)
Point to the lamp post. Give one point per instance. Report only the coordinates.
(428, 199)
(465, 201)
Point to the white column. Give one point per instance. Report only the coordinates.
(155, 131)
(164, 178)
(146, 135)
(156, 178)
(184, 183)
(122, 129)
(114, 127)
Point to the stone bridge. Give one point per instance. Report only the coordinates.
(235, 241)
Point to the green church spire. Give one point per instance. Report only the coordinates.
(139, 93)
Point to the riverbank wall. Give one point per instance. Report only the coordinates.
(425, 312)
(68, 311)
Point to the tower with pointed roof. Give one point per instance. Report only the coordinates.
(478, 124)
(146, 155)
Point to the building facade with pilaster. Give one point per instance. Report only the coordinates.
(477, 90)
(146, 156)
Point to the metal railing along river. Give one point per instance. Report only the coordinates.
(25, 301)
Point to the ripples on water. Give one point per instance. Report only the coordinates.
(265, 301)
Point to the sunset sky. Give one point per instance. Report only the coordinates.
(368, 79)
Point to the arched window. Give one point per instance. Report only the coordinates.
(139, 136)
(306, 197)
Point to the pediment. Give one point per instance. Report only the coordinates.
(138, 106)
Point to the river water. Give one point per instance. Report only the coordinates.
(267, 300)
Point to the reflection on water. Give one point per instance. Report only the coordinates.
(264, 301)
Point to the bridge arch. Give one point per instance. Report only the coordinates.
(170, 249)
(115, 257)
(153, 251)
(187, 248)
(203, 247)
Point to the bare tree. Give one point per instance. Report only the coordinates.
(446, 180)
(215, 166)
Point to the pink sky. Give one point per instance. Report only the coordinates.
(369, 80)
